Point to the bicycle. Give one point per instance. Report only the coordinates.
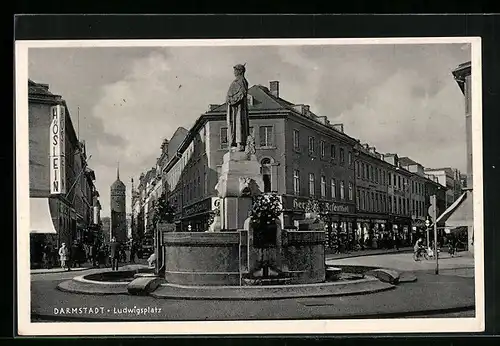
(417, 256)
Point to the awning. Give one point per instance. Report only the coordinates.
(455, 230)
(459, 213)
(40, 216)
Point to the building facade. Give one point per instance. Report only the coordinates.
(118, 225)
(450, 179)
(364, 194)
(64, 201)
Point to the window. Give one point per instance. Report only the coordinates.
(350, 191)
(358, 205)
(323, 186)
(413, 206)
(333, 151)
(333, 189)
(296, 140)
(383, 178)
(322, 148)
(266, 136)
(223, 138)
(296, 182)
(342, 155)
(358, 169)
(349, 158)
(363, 200)
(205, 180)
(311, 184)
(342, 190)
(251, 131)
(311, 145)
(265, 170)
(368, 172)
(372, 201)
(399, 182)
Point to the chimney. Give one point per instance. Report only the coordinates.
(274, 87)
(339, 127)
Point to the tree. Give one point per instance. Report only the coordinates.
(163, 211)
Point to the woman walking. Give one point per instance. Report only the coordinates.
(63, 255)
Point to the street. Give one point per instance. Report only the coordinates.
(415, 299)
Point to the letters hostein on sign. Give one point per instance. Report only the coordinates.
(57, 149)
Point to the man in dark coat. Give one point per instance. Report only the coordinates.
(114, 248)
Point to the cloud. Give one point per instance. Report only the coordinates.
(398, 98)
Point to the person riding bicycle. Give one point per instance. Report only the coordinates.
(419, 247)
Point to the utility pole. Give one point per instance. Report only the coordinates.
(435, 234)
(433, 215)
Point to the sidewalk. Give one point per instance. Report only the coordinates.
(60, 270)
(369, 252)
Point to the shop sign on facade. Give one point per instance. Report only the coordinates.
(201, 207)
(331, 207)
(57, 151)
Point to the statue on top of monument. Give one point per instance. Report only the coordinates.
(237, 110)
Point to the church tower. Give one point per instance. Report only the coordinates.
(118, 210)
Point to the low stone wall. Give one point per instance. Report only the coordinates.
(201, 259)
(304, 255)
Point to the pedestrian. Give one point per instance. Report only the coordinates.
(114, 247)
(74, 254)
(63, 255)
(133, 250)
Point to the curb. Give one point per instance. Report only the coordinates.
(362, 254)
(62, 271)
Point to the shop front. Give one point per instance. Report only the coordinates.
(402, 227)
(339, 220)
(195, 217)
(373, 231)
(50, 226)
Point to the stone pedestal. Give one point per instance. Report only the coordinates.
(239, 180)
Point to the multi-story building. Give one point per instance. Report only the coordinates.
(372, 198)
(151, 186)
(458, 219)
(450, 179)
(63, 196)
(303, 156)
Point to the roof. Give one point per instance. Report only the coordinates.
(406, 161)
(118, 184)
(263, 100)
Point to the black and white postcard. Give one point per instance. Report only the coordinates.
(285, 186)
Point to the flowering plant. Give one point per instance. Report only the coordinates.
(265, 207)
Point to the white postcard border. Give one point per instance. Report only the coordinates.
(408, 325)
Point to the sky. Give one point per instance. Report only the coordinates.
(399, 98)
